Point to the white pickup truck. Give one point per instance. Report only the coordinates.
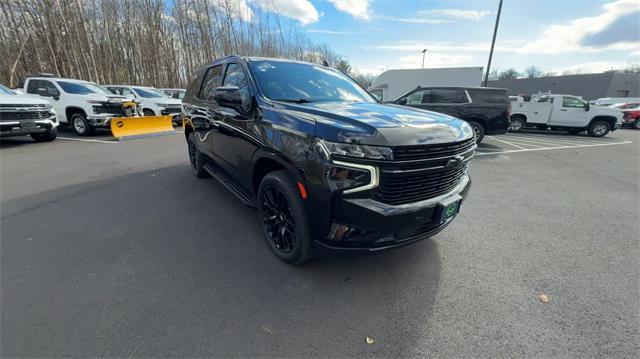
(82, 104)
(564, 112)
(24, 115)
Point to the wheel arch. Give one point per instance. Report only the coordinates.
(519, 115)
(265, 162)
(609, 119)
(71, 110)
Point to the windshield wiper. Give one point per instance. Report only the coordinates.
(299, 100)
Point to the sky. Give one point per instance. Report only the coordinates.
(557, 35)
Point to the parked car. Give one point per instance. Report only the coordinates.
(323, 160)
(608, 101)
(174, 93)
(565, 112)
(153, 101)
(24, 115)
(630, 113)
(485, 109)
(391, 84)
(82, 104)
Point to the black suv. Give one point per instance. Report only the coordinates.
(321, 159)
(485, 109)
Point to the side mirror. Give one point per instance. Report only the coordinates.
(402, 101)
(228, 96)
(587, 106)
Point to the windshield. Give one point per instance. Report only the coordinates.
(300, 82)
(5, 90)
(99, 89)
(148, 93)
(76, 88)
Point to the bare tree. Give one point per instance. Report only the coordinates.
(508, 74)
(533, 71)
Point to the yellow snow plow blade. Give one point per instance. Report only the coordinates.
(133, 127)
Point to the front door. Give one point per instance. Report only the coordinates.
(235, 140)
(571, 112)
(46, 90)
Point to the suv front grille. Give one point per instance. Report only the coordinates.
(424, 152)
(24, 115)
(170, 110)
(422, 172)
(109, 108)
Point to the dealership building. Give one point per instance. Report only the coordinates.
(589, 86)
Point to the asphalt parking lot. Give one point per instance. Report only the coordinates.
(115, 249)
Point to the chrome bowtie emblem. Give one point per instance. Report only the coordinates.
(454, 162)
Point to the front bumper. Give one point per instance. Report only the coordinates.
(18, 128)
(368, 225)
(100, 120)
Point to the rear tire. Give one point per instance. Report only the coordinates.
(599, 128)
(517, 124)
(45, 136)
(478, 130)
(196, 158)
(80, 125)
(284, 218)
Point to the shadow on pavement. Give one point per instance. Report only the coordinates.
(161, 263)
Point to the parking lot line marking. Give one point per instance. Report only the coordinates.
(551, 142)
(551, 148)
(560, 139)
(510, 144)
(86, 140)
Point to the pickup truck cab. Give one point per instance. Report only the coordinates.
(152, 101)
(564, 112)
(83, 105)
(323, 161)
(485, 109)
(24, 115)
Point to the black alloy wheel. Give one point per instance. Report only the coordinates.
(278, 219)
(283, 215)
(196, 159)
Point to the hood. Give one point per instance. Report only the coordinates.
(616, 112)
(380, 124)
(105, 97)
(21, 100)
(168, 100)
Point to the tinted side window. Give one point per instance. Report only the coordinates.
(491, 96)
(417, 97)
(42, 87)
(212, 79)
(236, 77)
(446, 96)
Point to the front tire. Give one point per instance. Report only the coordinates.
(599, 128)
(284, 218)
(196, 158)
(148, 112)
(45, 136)
(636, 124)
(80, 125)
(478, 130)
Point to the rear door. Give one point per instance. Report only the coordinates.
(569, 111)
(204, 109)
(444, 100)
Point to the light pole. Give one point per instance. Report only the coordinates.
(423, 53)
(493, 42)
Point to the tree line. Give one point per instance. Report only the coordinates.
(140, 42)
(534, 71)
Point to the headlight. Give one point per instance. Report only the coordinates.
(95, 101)
(356, 150)
(163, 104)
(52, 110)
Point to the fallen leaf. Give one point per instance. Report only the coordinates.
(370, 340)
(543, 298)
(265, 330)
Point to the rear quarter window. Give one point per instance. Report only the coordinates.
(490, 96)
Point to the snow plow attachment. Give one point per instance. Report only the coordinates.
(124, 128)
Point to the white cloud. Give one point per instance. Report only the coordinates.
(457, 13)
(504, 46)
(356, 8)
(432, 60)
(334, 32)
(592, 67)
(412, 20)
(568, 37)
(301, 10)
